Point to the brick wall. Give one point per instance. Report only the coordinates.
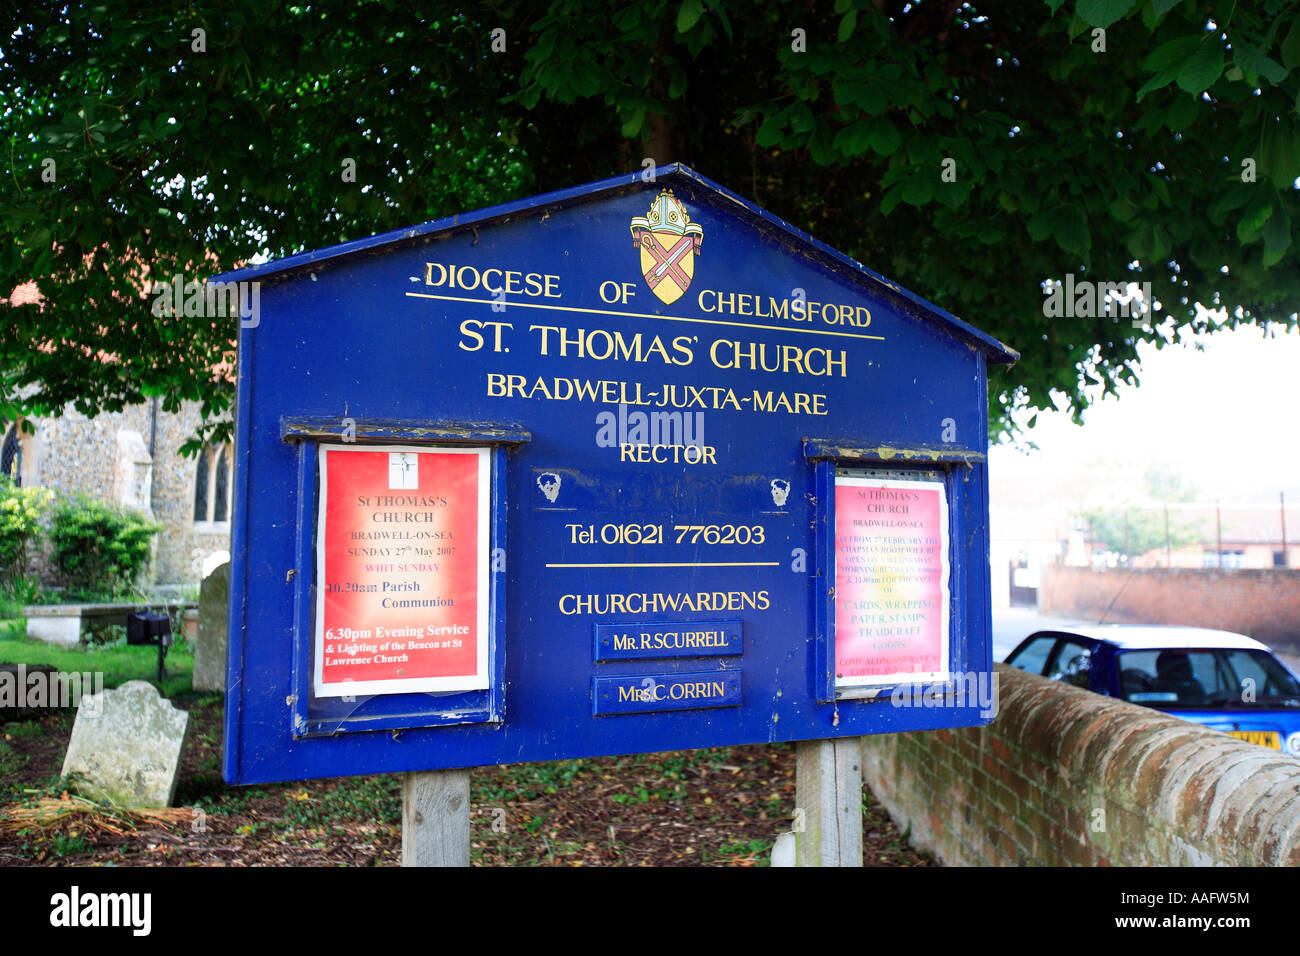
(1262, 603)
(1066, 777)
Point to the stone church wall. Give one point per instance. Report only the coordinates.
(108, 457)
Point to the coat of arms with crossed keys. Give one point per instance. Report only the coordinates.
(669, 243)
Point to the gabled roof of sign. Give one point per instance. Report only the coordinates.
(411, 235)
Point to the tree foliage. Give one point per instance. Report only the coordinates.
(21, 511)
(1135, 527)
(187, 139)
(1133, 532)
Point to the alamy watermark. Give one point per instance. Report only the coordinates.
(663, 437)
(22, 689)
(971, 689)
(210, 299)
(75, 908)
(1085, 299)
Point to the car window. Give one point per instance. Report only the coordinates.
(1072, 663)
(1033, 656)
(1167, 678)
(1204, 678)
(1260, 676)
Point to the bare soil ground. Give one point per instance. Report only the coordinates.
(717, 807)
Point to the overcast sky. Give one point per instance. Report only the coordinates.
(1227, 418)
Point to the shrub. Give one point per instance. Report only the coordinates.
(98, 548)
(21, 511)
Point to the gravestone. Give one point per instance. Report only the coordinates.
(210, 645)
(126, 744)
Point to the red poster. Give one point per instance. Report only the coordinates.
(401, 565)
(891, 582)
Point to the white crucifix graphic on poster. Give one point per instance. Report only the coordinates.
(402, 471)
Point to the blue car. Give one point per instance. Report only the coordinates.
(1226, 681)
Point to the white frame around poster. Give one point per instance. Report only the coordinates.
(480, 680)
(846, 686)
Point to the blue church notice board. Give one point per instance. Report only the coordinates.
(629, 467)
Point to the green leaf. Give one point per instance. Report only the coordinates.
(1171, 55)
(872, 100)
(1161, 7)
(689, 14)
(1072, 233)
(891, 200)
(847, 23)
(1278, 156)
(586, 79)
(1159, 189)
(1291, 45)
(1066, 224)
(1252, 223)
(632, 127)
(918, 190)
(1159, 244)
(1102, 13)
(1182, 112)
(1205, 65)
(725, 20)
(1165, 61)
(1266, 44)
(1123, 209)
(955, 194)
(1247, 56)
(802, 119)
(820, 147)
(885, 138)
(1277, 232)
(770, 131)
(1231, 198)
(854, 139)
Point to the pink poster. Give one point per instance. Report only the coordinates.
(891, 582)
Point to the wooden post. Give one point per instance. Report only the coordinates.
(435, 818)
(1286, 557)
(828, 802)
(1169, 548)
(1218, 531)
